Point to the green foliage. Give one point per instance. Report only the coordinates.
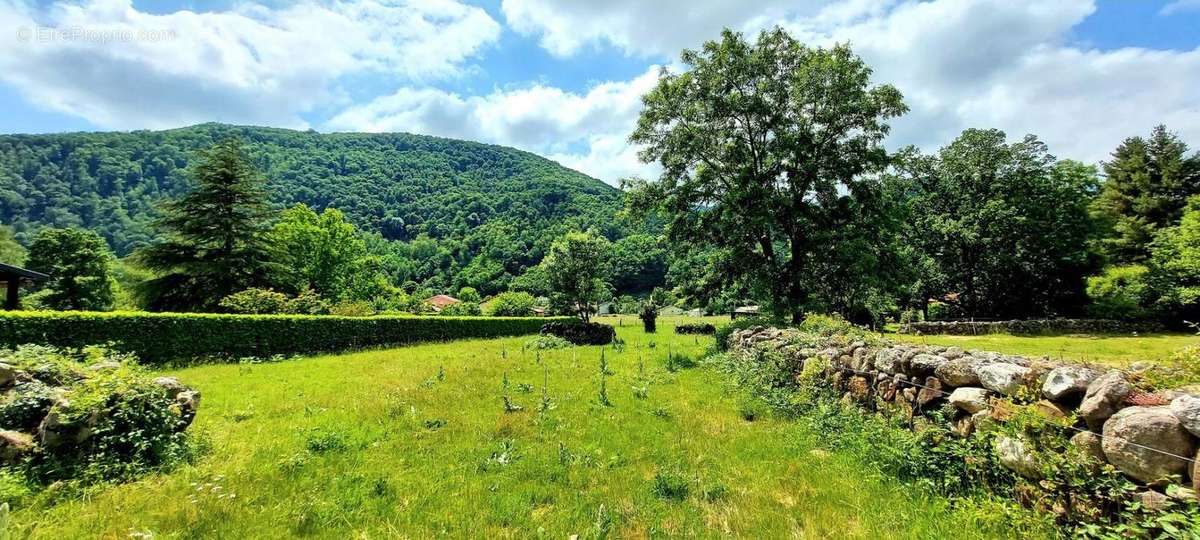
(670, 485)
(984, 214)
(578, 270)
(548, 342)
(1147, 185)
(80, 268)
(639, 263)
(1120, 292)
(697, 328)
(11, 251)
(134, 425)
(512, 304)
(433, 205)
(469, 295)
(156, 338)
(724, 331)
(649, 316)
(580, 333)
(462, 309)
(324, 253)
(268, 302)
(767, 150)
(1174, 274)
(214, 240)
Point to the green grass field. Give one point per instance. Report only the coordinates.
(1114, 350)
(376, 444)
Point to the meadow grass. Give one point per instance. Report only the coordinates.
(418, 442)
(1114, 350)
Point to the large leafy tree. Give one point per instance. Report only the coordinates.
(639, 263)
(79, 264)
(215, 239)
(998, 229)
(325, 253)
(767, 149)
(1148, 182)
(578, 270)
(1174, 275)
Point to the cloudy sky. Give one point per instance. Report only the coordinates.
(563, 78)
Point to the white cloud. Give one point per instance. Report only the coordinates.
(1180, 6)
(119, 67)
(639, 27)
(585, 131)
(1007, 64)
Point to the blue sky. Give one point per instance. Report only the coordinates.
(563, 77)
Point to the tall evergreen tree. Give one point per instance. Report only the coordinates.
(1148, 185)
(215, 241)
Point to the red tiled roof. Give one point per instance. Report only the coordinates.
(442, 300)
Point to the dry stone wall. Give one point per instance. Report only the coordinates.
(1153, 438)
(1028, 327)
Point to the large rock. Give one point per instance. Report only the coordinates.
(14, 445)
(971, 400)
(1005, 379)
(7, 374)
(1186, 408)
(958, 372)
(925, 364)
(188, 402)
(889, 360)
(171, 385)
(1104, 397)
(1015, 455)
(1065, 382)
(1143, 442)
(952, 353)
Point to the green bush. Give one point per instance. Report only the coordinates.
(696, 328)
(580, 333)
(1121, 292)
(255, 301)
(165, 337)
(461, 309)
(512, 304)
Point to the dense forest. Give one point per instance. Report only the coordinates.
(447, 213)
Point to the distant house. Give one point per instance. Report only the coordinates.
(11, 276)
(441, 301)
(744, 311)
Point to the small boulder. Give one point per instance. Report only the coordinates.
(189, 402)
(1143, 441)
(958, 372)
(171, 384)
(971, 400)
(1066, 381)
(14, 445)
(1090, 445)
(1186, 408)
(7, 374)
(925, 364)
(889, 360)
(952, 353)
(1004, 379)
(1104, 397)
(931, 392)
(1152, 500)
(858, 388)
(1014, 454)
(1050, 410)
(963, 427)
(983, 421)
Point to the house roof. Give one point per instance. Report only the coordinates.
(10, 270)
(442, 300)
(746, 309)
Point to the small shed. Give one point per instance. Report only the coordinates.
(744, 311)
(12, 276)
(441, 301)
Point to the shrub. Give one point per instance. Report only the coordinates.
(1121, 292)
(109, 419)
(511, 304)
(352, 309)
(696, 328)
(462, 309)
(580, 333)
(164, 337)
(255, 302)
(649, 317)
(545, 342)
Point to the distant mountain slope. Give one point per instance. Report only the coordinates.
(398, 184)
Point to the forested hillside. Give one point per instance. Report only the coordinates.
(451, 199)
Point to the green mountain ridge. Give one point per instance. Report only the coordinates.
(467, 196)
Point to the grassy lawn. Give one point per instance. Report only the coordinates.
(1114, 350)
(375, 444)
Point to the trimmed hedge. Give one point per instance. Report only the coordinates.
(157, 338)
(580, 333)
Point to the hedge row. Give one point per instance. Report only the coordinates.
(166, 337)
